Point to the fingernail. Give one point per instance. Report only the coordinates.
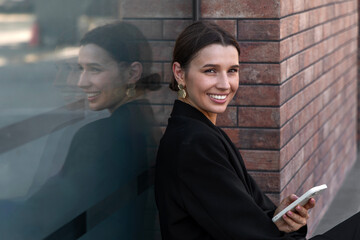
(289, 213)
(298, 208)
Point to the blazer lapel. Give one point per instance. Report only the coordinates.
(182, 109)
(236, 160)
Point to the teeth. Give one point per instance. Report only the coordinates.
(93, 94)
(218, 97)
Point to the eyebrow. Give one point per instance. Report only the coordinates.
(91, 64)
(216, 65)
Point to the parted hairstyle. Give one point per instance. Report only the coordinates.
(125, 43)
(194, 38)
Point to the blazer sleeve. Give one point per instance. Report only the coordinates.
(217, 198)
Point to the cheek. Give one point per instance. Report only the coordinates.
(234, 83)
(108, 81)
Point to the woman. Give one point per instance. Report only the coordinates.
(97, 194)
(203, 190)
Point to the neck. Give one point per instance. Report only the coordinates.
(211, 116)
(139, 95)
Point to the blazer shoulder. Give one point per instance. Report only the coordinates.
(189, 129)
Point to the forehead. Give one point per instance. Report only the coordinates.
(217, 54)
(91, 53)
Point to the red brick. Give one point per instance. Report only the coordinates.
(298, 42)
(292, 66)
(314, 17)
(297, 142)
(261, 159)
(258, 117)
(172, 28)
(152, 29)
(301, 155)
(304, 21)
(228, 118)
(257, 95)
(240, 9)
(228, 25)
(283, 71)
(286, 7)
(258, 29)
(286, 91)
(323, 12)
(299, 5)
(162, 51)
(330, 12)
(289, 25)
(313, 3)
(309, 38)
(286, 48)
(259, 73)
(259, 52)
(248, 138)
(318, 33)
(156, 9)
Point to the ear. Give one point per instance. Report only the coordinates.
(179, 73)
(135, 71)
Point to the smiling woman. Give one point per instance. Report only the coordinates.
(202, 187)
(105, 175)
(203, 190)
(211, 80)
(110, 60)
(103, 79)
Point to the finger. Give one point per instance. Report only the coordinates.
(310, 204)
(303, 212)
(288, 200)
(291, 224)
(293, 197)
(297, 218)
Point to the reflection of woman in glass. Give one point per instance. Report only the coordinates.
(101, 171)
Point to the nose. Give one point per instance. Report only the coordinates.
(223, 81)
(84, 81)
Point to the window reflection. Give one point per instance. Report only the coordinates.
(69, 165)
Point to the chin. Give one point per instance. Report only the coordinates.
(95, 108)
(219, 110)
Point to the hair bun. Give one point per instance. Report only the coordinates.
(151, 82)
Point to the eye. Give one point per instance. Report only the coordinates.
(94, 70)
(233, 70)
(211, 70)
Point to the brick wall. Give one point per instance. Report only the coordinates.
(294, 117)
(296, 105)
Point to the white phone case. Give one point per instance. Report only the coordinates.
(300, 201)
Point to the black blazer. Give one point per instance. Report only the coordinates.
(203, 190)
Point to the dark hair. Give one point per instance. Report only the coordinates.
(194, 38)
(125, 43)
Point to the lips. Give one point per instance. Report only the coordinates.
(218, 96)
(92, 94)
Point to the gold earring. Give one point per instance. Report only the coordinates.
(131, 91)
(181, 92)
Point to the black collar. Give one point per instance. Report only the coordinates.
(182, 109)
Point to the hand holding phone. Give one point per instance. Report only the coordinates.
(300, 201)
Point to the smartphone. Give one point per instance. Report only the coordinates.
(300, 201)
